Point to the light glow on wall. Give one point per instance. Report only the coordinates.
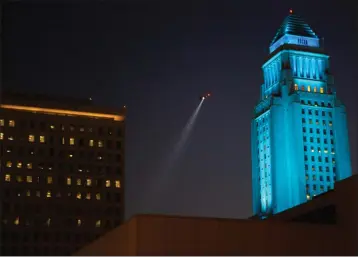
(51, 111)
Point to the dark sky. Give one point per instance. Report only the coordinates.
(157, 57)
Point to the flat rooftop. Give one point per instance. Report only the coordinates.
(58, 104)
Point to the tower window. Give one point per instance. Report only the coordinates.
(2, 123)
(315, 89)
(309, 88)
(302, 88)
(296, 87)
(7, 177)
(321, 90)
(72, 141)
(42, 139)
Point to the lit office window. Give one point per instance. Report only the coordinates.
(8, 164)
(7, 177)
(11, 123)
(31, 138)
(29, 179)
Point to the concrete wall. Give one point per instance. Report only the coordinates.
(166, 235)
(171, 235)
(120, 241)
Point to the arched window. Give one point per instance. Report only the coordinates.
(296, 87)
(321, 90)
(309, 88)
(302, 88)
(315, 89)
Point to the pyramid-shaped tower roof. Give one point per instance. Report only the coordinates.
(294, 25)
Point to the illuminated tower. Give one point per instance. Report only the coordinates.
(299, 131)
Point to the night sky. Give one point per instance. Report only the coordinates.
(157, 57)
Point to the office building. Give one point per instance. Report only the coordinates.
(62, 177)
(300, 144)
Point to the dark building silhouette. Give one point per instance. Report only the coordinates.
(62, 173)
(326, 225)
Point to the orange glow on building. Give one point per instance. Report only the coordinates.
(51, 111)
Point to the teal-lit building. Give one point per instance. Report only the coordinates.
(300, 144)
